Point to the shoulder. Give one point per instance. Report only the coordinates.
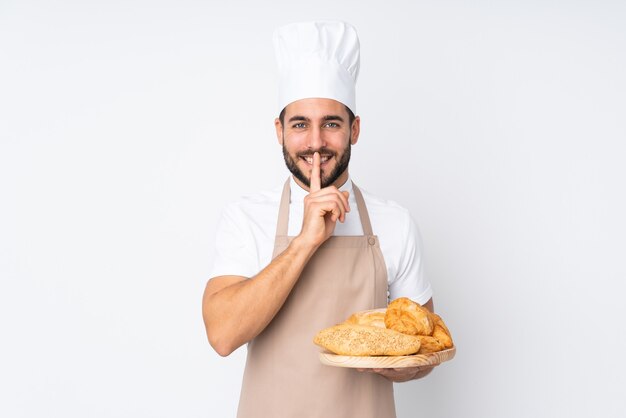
(381, 207)
(392, 222)
(258, 208)
(251, 204)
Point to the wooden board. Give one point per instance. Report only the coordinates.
(387, 362)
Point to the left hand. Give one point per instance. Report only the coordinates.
(403, 374)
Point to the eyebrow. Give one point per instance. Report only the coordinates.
(297, 117)
(325, 118)
(333, 117)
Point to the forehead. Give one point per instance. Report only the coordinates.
(315, 108)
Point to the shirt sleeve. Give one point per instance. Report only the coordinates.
(410, 280)
(236, 253)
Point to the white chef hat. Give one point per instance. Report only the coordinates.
(317, 59)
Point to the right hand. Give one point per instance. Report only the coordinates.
(322, 208)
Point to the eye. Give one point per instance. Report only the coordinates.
(331, 125)
(300, 125)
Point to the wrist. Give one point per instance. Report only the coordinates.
(302, 245)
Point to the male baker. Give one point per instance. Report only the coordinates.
(307, 255)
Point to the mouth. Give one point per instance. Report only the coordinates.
(309, 159)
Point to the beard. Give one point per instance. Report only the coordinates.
(328, 179)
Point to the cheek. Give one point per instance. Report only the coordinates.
(295, 143)
(338, 142)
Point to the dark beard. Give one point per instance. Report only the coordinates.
(341, 166)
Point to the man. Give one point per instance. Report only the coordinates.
(326, 261)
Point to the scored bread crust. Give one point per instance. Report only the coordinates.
(363, 340)
(373, 318)
(405, 317)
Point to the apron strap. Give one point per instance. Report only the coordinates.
(283, 211)
(363, 214)
(282, 225)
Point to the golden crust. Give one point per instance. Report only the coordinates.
(441, 332)
(374, 318)
(429, 344)
(363, 340)
(408, 317)
(396, 330)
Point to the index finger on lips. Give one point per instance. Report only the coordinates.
(316, 182)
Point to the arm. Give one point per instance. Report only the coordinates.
(236, 309)
(411, 281)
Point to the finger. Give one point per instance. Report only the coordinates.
(316, 181)
(337, 211)
(345, 196)
(335, 214)
(332, 205)
(328, 192)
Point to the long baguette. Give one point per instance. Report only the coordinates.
(362, 340)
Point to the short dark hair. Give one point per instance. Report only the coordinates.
(351, 116)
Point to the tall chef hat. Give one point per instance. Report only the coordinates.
(317, 59)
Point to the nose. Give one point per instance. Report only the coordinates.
(316, 139)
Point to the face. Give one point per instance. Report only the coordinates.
(320, 125)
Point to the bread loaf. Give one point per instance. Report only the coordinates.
(408, 317)
(373, 318)
(364, 340)
(404, 327)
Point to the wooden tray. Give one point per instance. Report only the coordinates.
(388, 362)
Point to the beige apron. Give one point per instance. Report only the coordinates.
(284, 376)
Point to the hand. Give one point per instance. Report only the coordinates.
(401, 374)
(322, 208)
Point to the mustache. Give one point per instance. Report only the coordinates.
(310, 152)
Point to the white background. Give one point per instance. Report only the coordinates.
(126, 125)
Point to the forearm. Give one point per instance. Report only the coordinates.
(237, 313)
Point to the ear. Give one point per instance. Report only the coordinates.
(279, 130)
(356, 130)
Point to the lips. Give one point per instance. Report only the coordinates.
(309, 158)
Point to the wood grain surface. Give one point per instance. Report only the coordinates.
(387, 362)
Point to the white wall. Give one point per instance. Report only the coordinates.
(126, 125)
